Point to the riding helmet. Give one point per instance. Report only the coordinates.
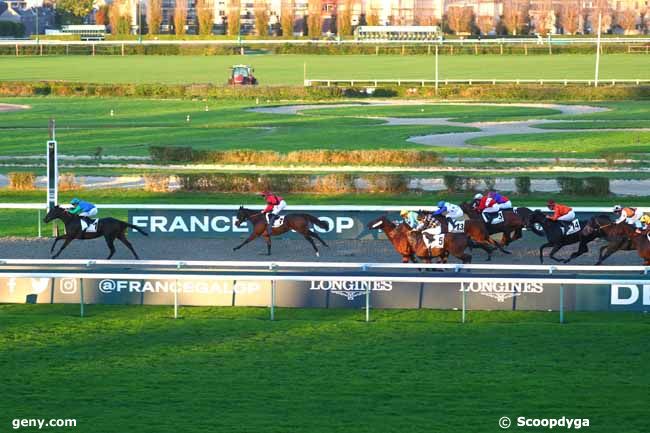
(478, 196)
(550, 203)
(403, 212)
(441, 204)
(617, 208)
(75, 201)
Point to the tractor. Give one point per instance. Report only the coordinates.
(242, 75)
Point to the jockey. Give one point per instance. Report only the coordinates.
(488, 206)
(630, 215)
(560, 212)
(502, 201)
(450, 211)
(84, 209)
(274, 205)
(410, 217)
(645, 220)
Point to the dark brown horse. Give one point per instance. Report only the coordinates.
(299, 222)
(476, 231)
(619, 237)
(109, 228)
(454, 244)
(511, 227)
(397, 235)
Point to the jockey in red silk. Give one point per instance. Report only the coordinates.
(274, 205)
(502, 201)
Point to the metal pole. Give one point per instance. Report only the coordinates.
(600, 21)
(436, 69)
(368, 304)
(39, 223)
(81, 297)
(464, 298)
(139, 9)
(561, 303)
(37, 29)
(273, 285)
(176, 300)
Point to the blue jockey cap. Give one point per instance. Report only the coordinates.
(441, 204)
(75, 201)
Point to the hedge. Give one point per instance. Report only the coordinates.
(382, 157)
(554, 92)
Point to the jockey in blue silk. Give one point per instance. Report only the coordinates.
(502, 201)
(449, 210)
(84, 209)
(410, 217)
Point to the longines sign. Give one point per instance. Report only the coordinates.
(339, 292)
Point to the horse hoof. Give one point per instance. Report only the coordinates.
(317, 254)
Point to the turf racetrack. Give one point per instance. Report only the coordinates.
(288, 69)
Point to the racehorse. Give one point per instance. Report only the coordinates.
(476, 231)
(618, 236)
(397, 235)
(110, 228)
(512, 226)
(300, 222)
(554, 234)
(454, 244)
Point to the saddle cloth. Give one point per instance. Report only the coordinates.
(89, 229)
(456, 227)
(498, 219)
(276, 222)
(433, 240)
(571, 228)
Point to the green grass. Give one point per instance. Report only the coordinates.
(288, 69)
(568, 144)
(134, 369)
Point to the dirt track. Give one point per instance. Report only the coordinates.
(523, 252)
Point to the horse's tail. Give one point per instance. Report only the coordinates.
(320, 223)
(136, 228)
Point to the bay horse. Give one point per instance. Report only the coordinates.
(555, 236)
(299, 222)
(619, 237)
(109, 228)
(397, 235)
(409, 243)
(512, 226)
(477, 232)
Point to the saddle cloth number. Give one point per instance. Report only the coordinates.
(434, 241)
(89, 229)
(497, 219)
(574, 227)
(276, 222)
(456, 227)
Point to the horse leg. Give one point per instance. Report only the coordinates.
(541, 251)
(250, 238)
(267, 239)
(581, 250)
(65, 244)
(498, 246)
(555, 250)
(313, 244)
(126, 242)
(56, 239)
(111, 246)
(611, 249)
(315, 235)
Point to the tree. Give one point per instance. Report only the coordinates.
(601, 7)
(315, 18)
(287, 16)
(344, 17)
(545, 18)
(570, 17)
(75, 8)
(485, 24)
(234, 17)
(515, 16)
(627, 20)
(460, 19)
(180, 17)
(154, 16)
(120, 17)
(205, 16)
(373, 18)
(261, 11)
(101, 17)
